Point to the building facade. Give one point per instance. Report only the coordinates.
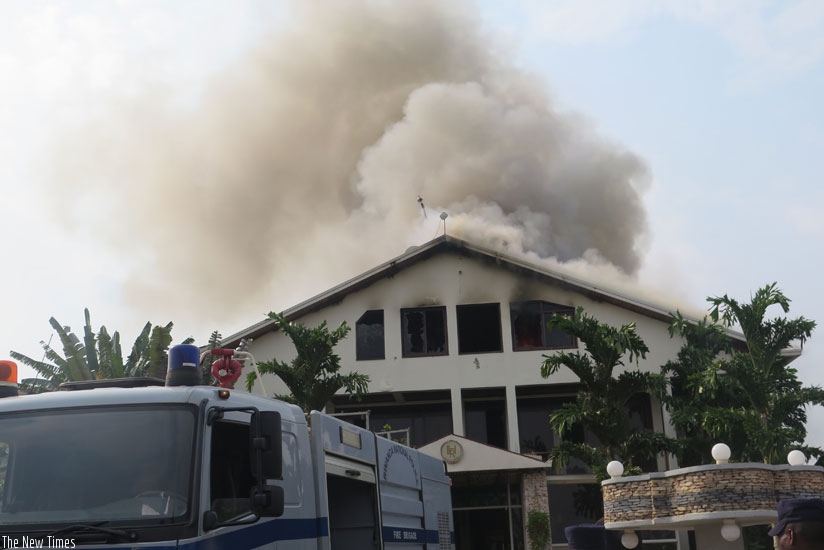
(452, 337)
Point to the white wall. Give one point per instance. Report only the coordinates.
(449, 280)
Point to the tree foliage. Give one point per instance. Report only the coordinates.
(99, 355)
(602, 404)
(700, 400)
(313, 376)
(747, 395)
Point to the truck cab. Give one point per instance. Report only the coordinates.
(208, 467)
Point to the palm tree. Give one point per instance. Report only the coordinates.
(602, 404)
(313, 376)
(773, 414)
(97, 356)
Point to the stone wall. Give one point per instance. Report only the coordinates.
(714, 489)
(534, 496)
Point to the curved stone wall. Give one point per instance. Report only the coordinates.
(701, 493)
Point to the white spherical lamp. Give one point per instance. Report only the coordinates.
(615, 469)
(796, 458)
(721, 453)
(730, 531)
(629, 539)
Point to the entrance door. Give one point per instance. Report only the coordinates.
(482, 529)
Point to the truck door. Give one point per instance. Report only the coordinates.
(353, 505)
(401, 497)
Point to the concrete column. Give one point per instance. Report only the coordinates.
(512, 420)
(457, 413)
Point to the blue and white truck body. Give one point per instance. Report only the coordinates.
(208, 468)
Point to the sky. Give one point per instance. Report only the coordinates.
(208, 162)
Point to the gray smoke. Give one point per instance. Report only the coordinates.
(301, 165)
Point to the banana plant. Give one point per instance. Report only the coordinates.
(99, 355)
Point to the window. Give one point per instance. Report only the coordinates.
(485, 416)
(535, 404)
(529, 326)
(573, 504)
(426, 422)
(479, 328)
(369, 336)
(487, 516)
(639, 408)
(537, 436)
(426, 414)
(424, 331)
(231, 477)
(101, 474)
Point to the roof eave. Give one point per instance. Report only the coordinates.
(418, 253)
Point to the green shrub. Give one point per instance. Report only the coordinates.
(537, 527)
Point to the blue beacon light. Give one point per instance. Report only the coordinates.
(184, 370)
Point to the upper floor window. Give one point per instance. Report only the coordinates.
(529, 326)
(479, 328)
(423, 330)
(369, 336)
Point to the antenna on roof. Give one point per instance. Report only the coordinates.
(420, 201)
(444, 215)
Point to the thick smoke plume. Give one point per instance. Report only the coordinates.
(302, 165)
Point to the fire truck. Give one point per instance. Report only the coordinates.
(139, 463)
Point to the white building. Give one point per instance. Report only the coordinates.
(452, 337)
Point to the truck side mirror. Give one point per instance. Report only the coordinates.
(266, 453)
(266, 446)
(267, 501)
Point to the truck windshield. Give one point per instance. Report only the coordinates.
(103, 464)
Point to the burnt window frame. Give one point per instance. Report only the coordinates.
(405, 352)
(490, 305)
(377, 357)
(547, 310)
